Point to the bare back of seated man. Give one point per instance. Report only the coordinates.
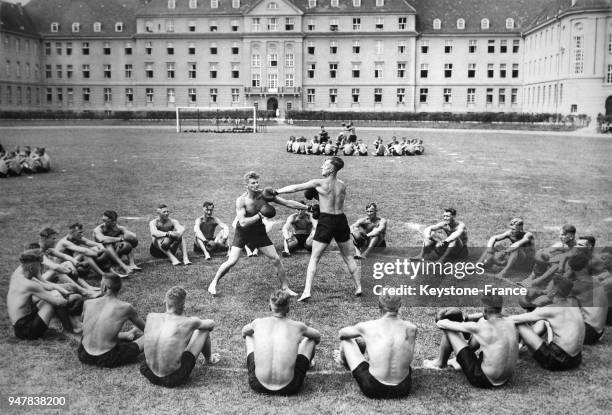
(389, 342)
(103, 344)
(567, 325)
(173, 341)
(493, 334)
(332, 223)
(279, 350)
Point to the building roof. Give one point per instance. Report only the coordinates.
(555, 7)
(14, 19)
(346, 6)
(86, 13)
(473, 11)
(160, 8)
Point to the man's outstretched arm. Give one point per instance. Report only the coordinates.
(298, 187)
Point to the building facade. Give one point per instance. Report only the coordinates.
(360, 55)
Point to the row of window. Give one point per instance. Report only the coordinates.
(76, 27)
(128, 48)
(548, 97)
(27, 70)
(473, 44)
(471, 70)
(128, 70)
(447, 96)
(214, 4)
(485, 24)
(67, 95)
(19, 98)
(17, 44)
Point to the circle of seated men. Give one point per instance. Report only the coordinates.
(23, 160)
(347, 144)
(568, 305)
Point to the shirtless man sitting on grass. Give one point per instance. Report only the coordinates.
(103, 344)
(389, 342)
(565, 318)
(173, 341)
(495, 336)
(279, 350)
(31, 306)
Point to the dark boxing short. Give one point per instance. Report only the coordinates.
(591, 336)
(552, 357)
(332, 227)
(30, 327)
(472, 367)
(373, 388)
(176, 378)
(255, 236)
(299, 374)
(122, 354)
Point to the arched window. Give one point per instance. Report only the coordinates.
(461, 24)
(509, 23)
(484, 23)
(437, 24)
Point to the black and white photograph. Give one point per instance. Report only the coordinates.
(306, 206)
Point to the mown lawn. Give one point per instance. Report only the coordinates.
(548, 180)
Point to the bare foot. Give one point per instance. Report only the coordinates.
(177, 262)
(214, 359)
(135, 267)
(305, 297)
(212, 289)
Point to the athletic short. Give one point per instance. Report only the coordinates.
(332, 227)
(373, 388)
(552, 357)
(591, 336)
(30, 327)
(122, 354)
(176, 378)
(211, 247)
(301, 242)
(472, 367)
(255, 236)
(299, 374)
(157, 253)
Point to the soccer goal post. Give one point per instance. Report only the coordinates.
(216, 119)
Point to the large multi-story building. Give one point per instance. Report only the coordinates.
(361, 55)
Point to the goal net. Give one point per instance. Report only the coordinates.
(217, 119)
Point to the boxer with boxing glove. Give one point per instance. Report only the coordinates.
(369, 232)
(118, 240)
(167, 237)
(251, 207)
(494, 335)
(332, 223)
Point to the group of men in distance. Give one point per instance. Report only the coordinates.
(347, 144)
(23, 160)
(280, 351)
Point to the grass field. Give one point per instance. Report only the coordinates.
(489, 178)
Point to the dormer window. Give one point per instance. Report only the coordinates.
(312, 4)
(437, 24)
(334, 3)
(214, 4)
(54, 27)
(509, 23)
(380, 3)
(193, 4)
(272, 5)
(484, 24)
(97, 27)
(171, 4)
(356, 3)
(119, 27)
(76, 27)
(460, 24)
(236, 4)
(149, 27)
